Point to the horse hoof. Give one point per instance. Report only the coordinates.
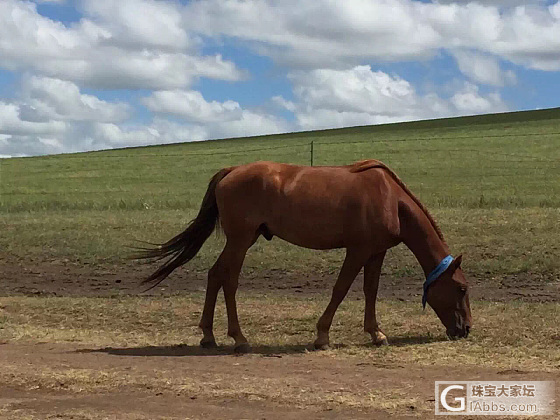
(379, 339)
(382, 342)
(319, 346)
(243, 348)
(208, 344)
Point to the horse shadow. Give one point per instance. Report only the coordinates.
(182, 350)
(410, 340)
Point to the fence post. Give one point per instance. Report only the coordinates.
(312, 153)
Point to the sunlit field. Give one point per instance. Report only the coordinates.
(492, 183)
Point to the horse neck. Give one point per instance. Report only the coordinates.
(421, 237)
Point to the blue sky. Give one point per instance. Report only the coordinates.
(79, 75)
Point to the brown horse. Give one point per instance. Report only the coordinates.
(363, 207)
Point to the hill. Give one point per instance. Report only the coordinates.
(493, 182)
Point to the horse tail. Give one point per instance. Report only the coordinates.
(183, 247)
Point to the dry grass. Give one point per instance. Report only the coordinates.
(515, 336)
(520, 335)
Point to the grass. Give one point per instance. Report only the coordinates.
(510, 161)
(515, 335)
(492, 181)
(496, 242)
(518, 337)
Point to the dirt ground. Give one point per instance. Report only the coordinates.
(220, 374)
(64, 278)
(307, 372)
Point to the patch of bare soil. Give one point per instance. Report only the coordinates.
(289, 384)
(65, 278)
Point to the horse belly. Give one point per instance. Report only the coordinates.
(314, 236)
(312, 225)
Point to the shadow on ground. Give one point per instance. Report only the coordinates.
(267, 351)
(188, 350)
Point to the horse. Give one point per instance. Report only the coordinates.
(363, 207)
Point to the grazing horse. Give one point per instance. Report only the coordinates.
(363, 207)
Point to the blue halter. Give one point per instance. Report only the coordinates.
(438, 271)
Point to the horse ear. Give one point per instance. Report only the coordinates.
(457, 262)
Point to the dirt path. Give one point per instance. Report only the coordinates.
(64, 278)
(65, 381)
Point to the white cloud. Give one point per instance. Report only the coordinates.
(251, 123)
(85, 122)
(357, 90)
(483, 68)
(498, 3)
(53, 116)
(283, 103)
(120, 48)
(313, 119)
(191, 106)
(112, 135)
(140, 23)
(53, 99)
(469, 101)
(359, 96)
(319, 33)
(220, 119)
(156, 45)
(331, 34)
(11, 123)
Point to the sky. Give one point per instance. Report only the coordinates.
(80, 75)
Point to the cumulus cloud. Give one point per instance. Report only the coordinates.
(469, 101)
(359, 96)
(118, 47)
(251, 123)
(220, 119)
(498, 3)
(191, 106)
(139, 23)
(53, 99)
(53, 116)
(159, 47)
(358, 90)
(160, 132)
(483, 68)
(11, 123)
(333, 34)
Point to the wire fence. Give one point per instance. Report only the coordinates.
(312, 146)
(529, 168)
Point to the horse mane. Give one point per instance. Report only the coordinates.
(364, 165)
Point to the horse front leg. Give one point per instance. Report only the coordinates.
(352, 265)
(372, 271)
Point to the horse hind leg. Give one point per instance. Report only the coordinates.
(215, 278)
(225, 273)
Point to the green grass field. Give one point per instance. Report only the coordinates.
(493, 183)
